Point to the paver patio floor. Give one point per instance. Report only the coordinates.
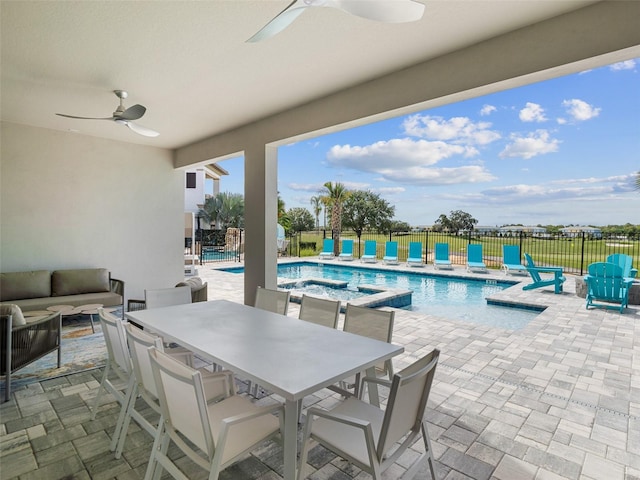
(559, 398)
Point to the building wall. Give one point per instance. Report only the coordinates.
(74, 201)
(194, 196)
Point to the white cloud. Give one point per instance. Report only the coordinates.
(532, 112)
(389, 190)
(580, 110)
(459, 130)
(561, 121)
(626, 65)
(487, 110)
(439, 176)
(536, 143)
(396, 153)
(306, 187)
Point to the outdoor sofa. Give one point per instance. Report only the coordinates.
(39, 289)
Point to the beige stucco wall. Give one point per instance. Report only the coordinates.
(74, 201)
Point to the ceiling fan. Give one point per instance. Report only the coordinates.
(123, 116)
(388, 11)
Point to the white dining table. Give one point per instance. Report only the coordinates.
(285, 355)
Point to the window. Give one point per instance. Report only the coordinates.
(191, 180)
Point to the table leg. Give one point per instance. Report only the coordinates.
(290, 440)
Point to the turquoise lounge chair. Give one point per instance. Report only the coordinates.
(370, 251)
(538, 282)
(511, 260)
(625, 262)
(606, 284)
(390, 253)
(327, 248)
(347, 250)
(442, 256)
(474, 258)
(415, 254)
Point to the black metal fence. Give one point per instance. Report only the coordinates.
(574, 253)
(216, 245)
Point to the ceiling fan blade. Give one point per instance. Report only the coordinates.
(280, 21)
(388, 11)
(139, 129)
(132, 113)
(85, 118)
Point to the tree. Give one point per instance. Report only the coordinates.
(335, 196)
(316, 203)
(638, 181)
(301, 219)
(400, 226)
(366, 210)
(224, 210)
(456, 221)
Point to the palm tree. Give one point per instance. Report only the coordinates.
(316, 203)
(638, 181)
(224, 210)
(335, 195)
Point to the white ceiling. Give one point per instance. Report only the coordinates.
(188, 63)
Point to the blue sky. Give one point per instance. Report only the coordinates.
(564, 151)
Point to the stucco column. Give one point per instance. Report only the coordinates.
(261, 218)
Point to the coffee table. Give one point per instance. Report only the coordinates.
(90, 309)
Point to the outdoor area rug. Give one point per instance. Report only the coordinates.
(81, 350)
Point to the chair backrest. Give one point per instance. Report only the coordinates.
(327, 245)
(511, 254)
(370, 247)
(116, 340)
(275, 301)
(182, 400)
(391, 249)
(623, 261)
(321, 311)
(407, 401)
(605, 280)
(442, 251)
(531, 268)
(415, 250)
(371, 323)
(474, 252)
(139, 343)
(166, 297)
(347, 246)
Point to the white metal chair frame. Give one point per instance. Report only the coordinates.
(212, 435)
(217, 385)
(402, 422)
(321, 311)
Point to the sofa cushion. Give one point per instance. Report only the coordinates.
(21, 285)
(195, 283)
(106, 299)
(73, 282)
(17, 318)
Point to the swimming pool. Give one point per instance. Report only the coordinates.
(446, 296)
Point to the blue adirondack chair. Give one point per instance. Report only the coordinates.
(441, 259)
(607, 284)
(390, 253)
(538, 282)
(474, 258)
(511, 259)
(347, 250)
(327, 248)
(625, 262)
(370, 251)
(415, 254)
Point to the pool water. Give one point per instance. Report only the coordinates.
(450, 297)
(342, 294)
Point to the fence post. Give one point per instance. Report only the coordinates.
(520, 247)
(582, 255)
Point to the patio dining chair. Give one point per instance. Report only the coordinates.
(370, 251)
(212, 435)
(368, 436)
(276, 301)
(217, 385)
(371, 323)
(390, 253)
(347, 250)
(511, 260)
(321, 311)
(414, 259)
(441, 259)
